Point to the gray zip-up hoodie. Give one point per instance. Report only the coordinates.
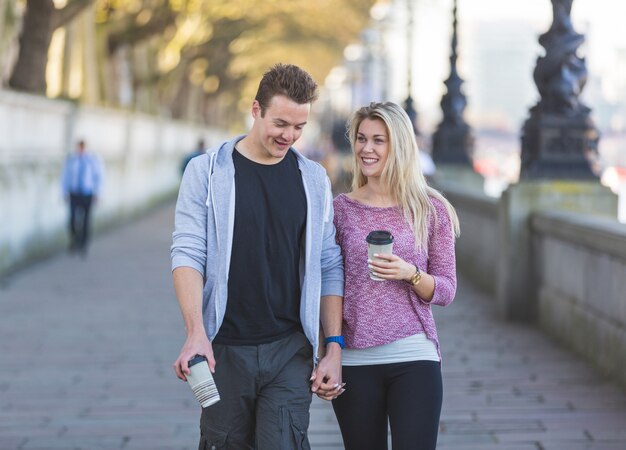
(203, 236)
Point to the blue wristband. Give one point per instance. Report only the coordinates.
(337, 339)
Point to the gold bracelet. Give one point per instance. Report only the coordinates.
(417, 277)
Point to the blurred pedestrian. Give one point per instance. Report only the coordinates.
(253, 250)
(81, 181)
(391, 360)
(428, 165)
(199, 150)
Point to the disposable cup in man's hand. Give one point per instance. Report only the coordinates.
(379, 242)
(201, 381)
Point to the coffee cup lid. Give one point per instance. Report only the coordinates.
(196, 360)
(379, 237)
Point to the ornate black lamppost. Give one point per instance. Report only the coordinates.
(555, 172)
(559, 138)
(408, 103)
(453, 141)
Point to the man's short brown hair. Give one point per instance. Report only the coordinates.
(288, 80)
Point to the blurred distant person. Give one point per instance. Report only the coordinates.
(200, 150)
(428, 165)
(81, 180)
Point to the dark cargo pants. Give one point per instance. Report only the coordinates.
(265, 397)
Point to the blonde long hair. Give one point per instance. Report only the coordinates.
(402, 174)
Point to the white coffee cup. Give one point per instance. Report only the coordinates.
(201, 381)
(379, 242)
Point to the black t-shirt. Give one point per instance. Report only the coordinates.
(264, 278)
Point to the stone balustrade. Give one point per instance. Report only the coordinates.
(581, 278)
(477, 247)
(577, 267)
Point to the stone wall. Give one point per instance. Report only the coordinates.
(581, 278)
(142, 155)
(476, 248)
(576, 262)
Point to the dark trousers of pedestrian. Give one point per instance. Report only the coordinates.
(408, 395)
(80, 208)
(265, 397)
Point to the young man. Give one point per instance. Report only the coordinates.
(81, 181)
(253, 251)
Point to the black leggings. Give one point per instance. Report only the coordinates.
(408, 394)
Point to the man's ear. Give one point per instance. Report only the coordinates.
(256, 109)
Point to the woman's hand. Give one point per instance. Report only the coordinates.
(391, 267)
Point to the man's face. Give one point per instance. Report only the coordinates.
(279, 128)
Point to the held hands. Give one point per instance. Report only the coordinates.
(391, 267)
(195, 344)
(326, 377)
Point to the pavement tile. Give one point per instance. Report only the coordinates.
(582, 446)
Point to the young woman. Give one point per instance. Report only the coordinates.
(391, 360)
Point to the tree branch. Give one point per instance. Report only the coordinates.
(135, 33)
(65, 15)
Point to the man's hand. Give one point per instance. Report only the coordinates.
(326, 377)
(188, 284)
(195, 344)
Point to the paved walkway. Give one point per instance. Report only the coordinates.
(86, 348)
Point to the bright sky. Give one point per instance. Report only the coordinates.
(601, 20)
(605, 16)
(610, 12)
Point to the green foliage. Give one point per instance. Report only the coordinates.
(192, 59)
(218, 49)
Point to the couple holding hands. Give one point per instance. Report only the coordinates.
(278, 292)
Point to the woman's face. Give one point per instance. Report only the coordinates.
(372, 147)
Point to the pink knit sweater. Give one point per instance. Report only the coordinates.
(380, 312)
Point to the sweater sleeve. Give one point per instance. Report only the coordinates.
(441, 257)
(189, 244)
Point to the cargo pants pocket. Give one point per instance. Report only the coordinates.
(294, 424)
(215, 441)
